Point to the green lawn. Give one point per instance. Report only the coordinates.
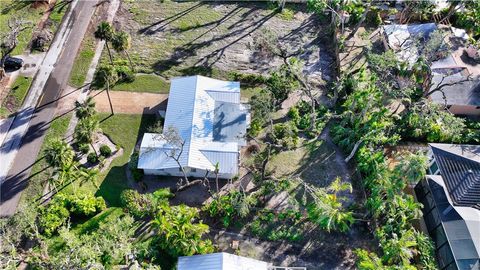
(40, 170)
(15, 97)
(82, 62)
(124, 130)
(145, 83)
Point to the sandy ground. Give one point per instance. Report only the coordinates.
(130, 102)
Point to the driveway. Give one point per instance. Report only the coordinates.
(130, 102)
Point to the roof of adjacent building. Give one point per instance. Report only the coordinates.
(402, 37)
(459, 166)
(220, 261)
(461, 225)
(457, 91)
(209, 118)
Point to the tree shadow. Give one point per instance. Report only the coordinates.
(162, 24)
(15, 6)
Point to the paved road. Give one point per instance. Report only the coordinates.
(39, 122)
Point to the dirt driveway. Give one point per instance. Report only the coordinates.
(130, 102)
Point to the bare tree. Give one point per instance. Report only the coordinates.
(10, 40)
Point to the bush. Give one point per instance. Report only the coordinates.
(52, 216)
(84, 148)
(137, 174)
(125, 73)
(247, 79)
(85, 205)
(92, 158)
(142, 205)
(285, 134)
(105, 150)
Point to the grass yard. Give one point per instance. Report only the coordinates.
(40, 170)
(17, 94)
(13, 9)
(314, 162)
(145, 83)
(82, 62)
(174, 39)
(124, 130)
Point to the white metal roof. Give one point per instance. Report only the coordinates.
(220, 261)
(191, 111)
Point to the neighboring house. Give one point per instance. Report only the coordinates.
(220, 261)
(450, 195)
(227, 261)
(210, 121)
(460, 96)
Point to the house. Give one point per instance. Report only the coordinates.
(450, 195)
(461, 96)
(211, 124)
(227, 261)
(220, 261)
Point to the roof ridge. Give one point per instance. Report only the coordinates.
(191, 121)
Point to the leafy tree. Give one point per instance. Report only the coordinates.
(121, 42)
(106, 33)
(412, 167)
(9, 41)
(430, 121)
(177, 233)
(85, 109)
(281, 83)
(327, 209)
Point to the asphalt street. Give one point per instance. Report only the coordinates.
(18, 175)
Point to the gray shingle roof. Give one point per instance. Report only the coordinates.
(460, 169)
(464, 93)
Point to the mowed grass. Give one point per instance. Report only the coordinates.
(16, 96)
(82, 62)
(145, 83)
(14, 9)
(40, 170)
(124, 130)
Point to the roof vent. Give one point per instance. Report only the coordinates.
(470, 171)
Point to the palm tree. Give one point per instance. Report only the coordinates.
(121, 42)
(62, 175)
(88, 176)
(105, 32)
(85, 109)
(85, 131)
(59, 153)
(327, 210)
(107, 76)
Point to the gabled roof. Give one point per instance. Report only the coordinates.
(460, 169)
(210, 119)
(220, 261)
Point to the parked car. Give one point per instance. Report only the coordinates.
(13, 63)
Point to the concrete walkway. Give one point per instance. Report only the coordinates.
(130, 102)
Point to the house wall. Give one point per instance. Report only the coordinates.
(198, 173)
(464, 110)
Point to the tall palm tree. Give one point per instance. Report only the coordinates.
(88, 176)
(58, 153)
(107, 76)
(85, 109)
(121, 42)
(85, 131)
(105, 32)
